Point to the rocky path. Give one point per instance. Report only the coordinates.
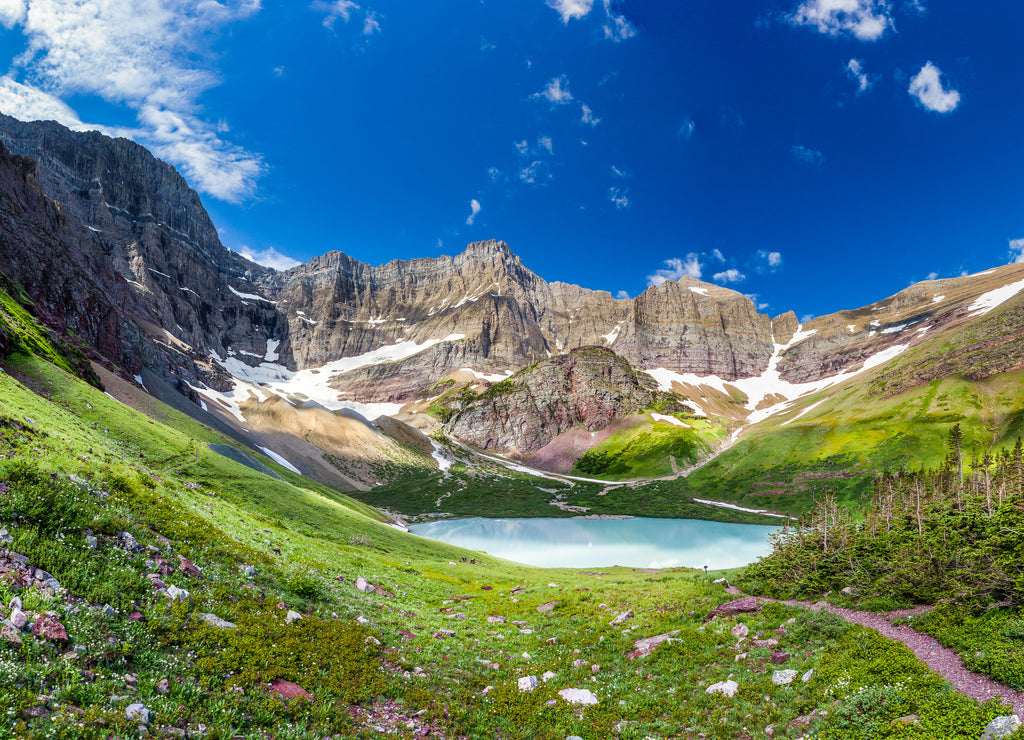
(940, 659)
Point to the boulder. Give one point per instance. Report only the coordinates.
(647, 645)
(622, 617)
(579, 696)
(18, 618)
(137, 713)
(783, 678)
(289, 690)
(214, 621)
(736, 606)
(528, 683)
(1001, 727)
(10, 635)
(725, 688)
(49, 628)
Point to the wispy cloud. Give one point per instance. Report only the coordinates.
(268, 257)
(619, 173)
(370, 24)
(687, 128)
(587, 116)
(676, 268)
(807, 155)
(544, 142)
(622, 295)
(732, 275)
(616, 27)
(153, 58)
(474, 209)
(866, 20)
(495, 175)
(1017, 250)
(855, 71)
(926, 86)
(571, 8)
(536, 173)
(555, 92)
(619, 198)
(339, 9)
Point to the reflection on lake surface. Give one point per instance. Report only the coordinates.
(591, 543)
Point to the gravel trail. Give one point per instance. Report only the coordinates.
(940, 659)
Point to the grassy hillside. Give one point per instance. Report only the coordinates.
(114, 505)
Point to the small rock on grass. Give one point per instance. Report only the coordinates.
(214, 621)
(528, 683)
(725, 688)
(579, 696)
(549, 606)
(289, 690)
(783, 678)
(291, 616)
(622, 617)
(137, 713)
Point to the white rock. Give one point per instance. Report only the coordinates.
(578, 696)
(214, 621)
(362, 585)
(15, 603)
(291, 616)
(725, 688)
(547, 676)
(740, 631)
(177, 594)
(18, 618)
(137, 713)
(526, 656)
(622, 617)
(528, 683)
(783, 678)
(363, 620)
(807, 676)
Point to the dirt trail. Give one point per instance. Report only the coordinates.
(940, 659)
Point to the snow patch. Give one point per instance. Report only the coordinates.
(272, 354)
(851, 327)
(189, 290)
(988, 301)
(700, 291)
(611, 336)
(157, 272)
(740, 508)
(670, 420)
(444, 463)
(484, 376)
(938, 298)
(278, 459)
(138, 379)
(896, 329)
(251, 296)
(805, 411)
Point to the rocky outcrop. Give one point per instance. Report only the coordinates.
(588, 387)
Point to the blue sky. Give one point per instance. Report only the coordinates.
(816, 154)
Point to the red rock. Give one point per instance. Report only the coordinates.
(10, 634)
(49, 628)
(289, 690)
(135, 617)
(780, 658)
(736, 606)
(188, 568)
(646, 645)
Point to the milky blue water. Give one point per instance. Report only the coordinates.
(595, 543)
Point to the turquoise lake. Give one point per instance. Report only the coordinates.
(597, 543)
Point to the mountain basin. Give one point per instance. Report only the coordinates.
(635, 542)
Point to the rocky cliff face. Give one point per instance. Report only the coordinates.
(588, 387)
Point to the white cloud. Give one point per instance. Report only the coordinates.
(522, 147)
(619, 173)
(717, 254)
(495, 175)
(933, 275)
(571, 8)
(618, 198)
(866, 20)
(808, 155)
(1017, 250)
(544, 142)
(268, 257)
(687, 129)
(278, 71)
(621, 295)
(588, 116)
(807, 317)
(31, 104)
(370, 24)
(774, 259)
(556, 92)
(617, 28)
(535, 173)
(677, 268)
(338, 9)
(927, 88)
(855, 71)
(474, 209)
(12, 12)
(732, 275)
(152, 56)
(916, 6)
